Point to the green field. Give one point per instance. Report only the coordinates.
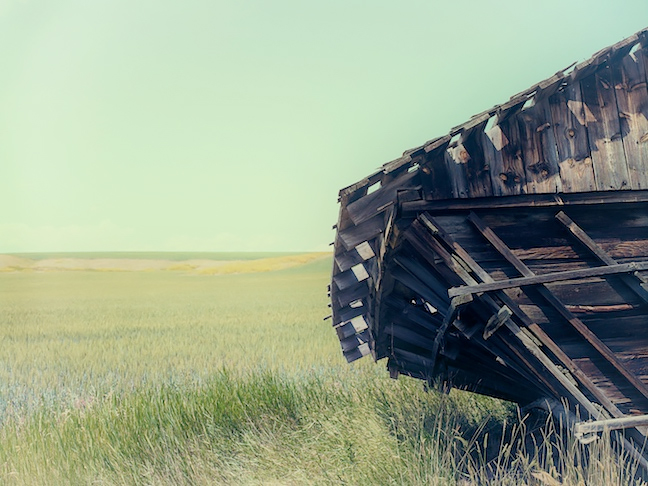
(173, 377)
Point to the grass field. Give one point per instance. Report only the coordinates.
(182, 377)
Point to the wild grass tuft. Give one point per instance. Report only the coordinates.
(167, 378)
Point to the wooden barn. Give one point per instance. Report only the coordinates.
(510, 256)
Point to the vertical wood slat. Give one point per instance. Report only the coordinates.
(455, 159)
(629, 79)
(477, 170)
(604, 132)
(575, 162)
(512, 178)
(436, 178)
(493, 141)
(539, 150)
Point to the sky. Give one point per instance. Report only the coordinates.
(209, 125)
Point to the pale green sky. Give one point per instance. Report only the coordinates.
(220, 125)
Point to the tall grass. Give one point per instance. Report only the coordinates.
(171, 378)
(254, 428)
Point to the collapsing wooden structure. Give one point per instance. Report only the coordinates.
(510, 257)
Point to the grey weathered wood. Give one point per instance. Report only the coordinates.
(525, 340)
(449, 318)
(510, 178)
(455, 159)
(604, 132)
(582, 428)
(548, 278)
(568, 117)
(528, 201)
(366, 231)
(369, 205)
(355, 292)
(495, 322)
(538, 144)
(436, 178)
(492, 142)
(477, 170)
(629, 79)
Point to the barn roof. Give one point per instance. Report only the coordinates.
(489, 120)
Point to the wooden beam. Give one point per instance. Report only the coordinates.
(534, 328)
(600, 253)
(576, 323)
(528, 201)
(465, 261)
(582, 428)
(548, 278)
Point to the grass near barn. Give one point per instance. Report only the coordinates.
(184, 376)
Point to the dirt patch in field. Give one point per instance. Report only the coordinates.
(9, 263)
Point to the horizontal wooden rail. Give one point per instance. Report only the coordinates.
(526, 201)
(582, 428)
(548, 278)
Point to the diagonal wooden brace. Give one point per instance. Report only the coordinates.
(602, 255)
(551, 298)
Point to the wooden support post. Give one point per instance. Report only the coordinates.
(559, 306)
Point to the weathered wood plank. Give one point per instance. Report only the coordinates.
(529, 344)
(527, 201)
(537, 331)
(436, 177)
(629, 79)
(568, 117)
(366, 231)
(350, 294)
(600, 253)
(604, 131)
(410, 337)
(510, 178)
(558, 305)
(368, 206)
(417, 286)
(539, 152)
(353, 341)
(455, 159)
(477, 170)
(492, 141)
(548, 277)
(346, 259)
(420, 272)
